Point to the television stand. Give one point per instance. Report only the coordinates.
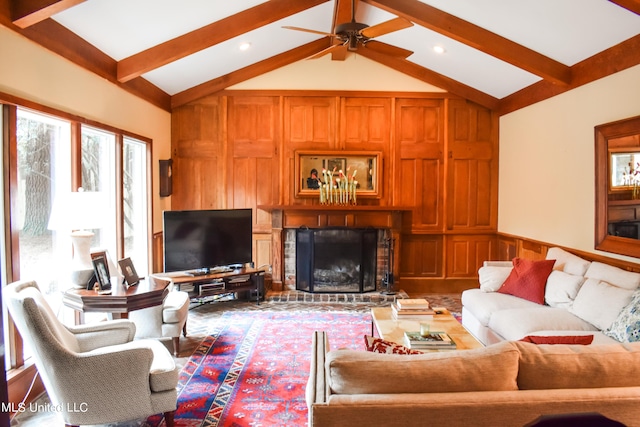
(247, 281)
(198, 272)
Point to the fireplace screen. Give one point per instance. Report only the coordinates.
(336, 260)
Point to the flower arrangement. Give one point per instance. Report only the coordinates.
(338, 191)
(632, 179)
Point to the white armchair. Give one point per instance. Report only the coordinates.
(94, 367)
(166, 320)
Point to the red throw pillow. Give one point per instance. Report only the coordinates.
(378, 345)
(567, 339)
(528, 279)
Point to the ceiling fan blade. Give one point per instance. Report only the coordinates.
(306, 30)
(386, 27)
(387, 49)
(336, 48)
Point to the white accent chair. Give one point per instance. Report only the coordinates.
(97, 369)
(166, 320)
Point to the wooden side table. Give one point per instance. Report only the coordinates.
(148, 293)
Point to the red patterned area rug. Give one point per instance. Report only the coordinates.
(253, 368)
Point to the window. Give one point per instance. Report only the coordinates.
(134, 199)
(43, 165)
(99, 175)
(56, 154)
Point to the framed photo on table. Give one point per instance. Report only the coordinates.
(101, 270)
(129, 272)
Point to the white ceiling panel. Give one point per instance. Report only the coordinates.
(121, 28)
(568, 31)
(226, 57)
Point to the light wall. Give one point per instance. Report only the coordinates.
(33, 73)
(355, 73)
(547, 173)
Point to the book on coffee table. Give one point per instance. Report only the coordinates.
(411, 312)
(431, 341)
(412, 304)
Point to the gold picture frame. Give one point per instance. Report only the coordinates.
(310, 164)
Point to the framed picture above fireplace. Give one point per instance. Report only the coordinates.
(316, 168)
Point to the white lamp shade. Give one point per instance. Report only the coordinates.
(81, 210)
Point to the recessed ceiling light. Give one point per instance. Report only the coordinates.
(245, 46)
(439, 49)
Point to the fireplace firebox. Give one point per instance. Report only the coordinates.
(336, 260)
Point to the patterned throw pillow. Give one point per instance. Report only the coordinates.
(528, 279)
(378, 345)
(626, 327)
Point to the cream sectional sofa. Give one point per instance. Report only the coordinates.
(505, 384)
(581, 298)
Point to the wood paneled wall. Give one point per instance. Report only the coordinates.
(439, 161)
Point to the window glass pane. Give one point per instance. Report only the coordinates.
(44, 170)
(43, 147)
(99, 175)
(135, 204)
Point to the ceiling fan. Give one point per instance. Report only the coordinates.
(349, 36)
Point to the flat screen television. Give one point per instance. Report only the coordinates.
(199, 240)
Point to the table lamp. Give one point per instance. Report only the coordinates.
(79, 213)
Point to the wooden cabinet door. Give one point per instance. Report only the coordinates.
(197, 148)
(253, 172)
(365, 124)
(420, 167)
(472, 167)
(421, 256)
(466, 253)
(309, 124)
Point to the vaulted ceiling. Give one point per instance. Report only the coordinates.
(502, 54)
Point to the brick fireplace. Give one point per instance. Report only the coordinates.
(385, 222)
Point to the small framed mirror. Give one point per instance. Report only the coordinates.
(316, 168)
(617, 173)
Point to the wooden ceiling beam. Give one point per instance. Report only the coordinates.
(58, 39)
(411, 69)
(25, 13)
(210, 35)
(249, 72)
(478, 38)
(630, 5)
(613, 60)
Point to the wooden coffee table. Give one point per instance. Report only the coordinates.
(393, 330)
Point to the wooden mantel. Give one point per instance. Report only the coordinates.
(320, 216)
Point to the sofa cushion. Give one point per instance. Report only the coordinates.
(482, 304)
(378, 345)
(559, 339)
(562, 289)
(514, 324)
(599, 303)
(528, 279)
(568, 262)
(578, 366)
(492, 277)
(626, 327)
(362, 372)
(613, 275)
